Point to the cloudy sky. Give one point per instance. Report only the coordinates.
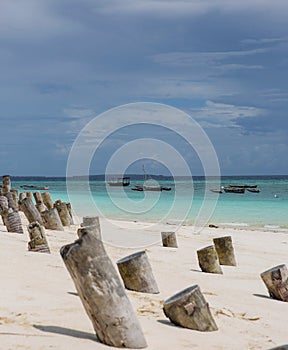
(224, 62)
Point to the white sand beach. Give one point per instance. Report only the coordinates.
(40, 309)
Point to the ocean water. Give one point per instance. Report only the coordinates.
(189, 202)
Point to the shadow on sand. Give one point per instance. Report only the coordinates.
(66, 331)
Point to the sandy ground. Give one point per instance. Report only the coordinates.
(39, 308)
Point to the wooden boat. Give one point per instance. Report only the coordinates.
(216, 191)
(232, 189)
(243, 186)
(123, 181)
(32, 187)
(145, 187)
(253, 190)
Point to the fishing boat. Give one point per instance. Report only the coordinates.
(147, 187)
(122, 181)
(253, 190)
(232, 189)
(32, 187)
(243, 186)
(216, 191)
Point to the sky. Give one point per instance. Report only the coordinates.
(223, 62)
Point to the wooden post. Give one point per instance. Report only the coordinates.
(29, 195)
(70, 213)
(47, 200)
(52, 220)
(189, 309)
(13, 222)
(169, 239)
(137, 274)
(4, 208)
(225, 250)
(276, 281)
(63, 212)
(15, 199)
(92, 220)
(30, 211)
(38, 241)
(208, 260)
(41, 207)
(11, 203)
(22, 195)
(281, 347)
(92, 229)
(6, 184)
(37, 197)
(102, 293)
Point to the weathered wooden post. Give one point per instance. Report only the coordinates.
(13, 222)
(70, 213)
(6, 184)
(30, 211)
(137, 274)
(38, 198)
(101, 292)
(15, 198)
(225, 250)
(189, 309)
(29, 195)
(47, 200)
(92, 229)
(52, 220)
(4, 209)
(169, 239)
(92, 220)
(276, 281)
(208, 260)
(63, 212)
(38, 241)
(41, 207)
(22, 195)
(11, 203)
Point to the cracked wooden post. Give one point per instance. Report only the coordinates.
(30, 211)
(225, 250)
(11, 203)
(208, 260)
(47, 200)
(276, 281)
(63, 212)
(189, 309)
(6, 184)
(38, 198)
(102, 293)
(169, 239)
(52, 220)
(38, 241)
(92, 220)
(137, 274)
(13, 222)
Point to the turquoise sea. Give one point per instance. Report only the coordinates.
(183, 203)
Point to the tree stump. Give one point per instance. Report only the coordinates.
(38, 241)
(13, 222)
(38, 198)
(63, 213)
(30, 211)
(169, 239)
(137, 274)
(276, 281)
(47, 200)
(225, 250)
(6, 184)
(208, 260)
(189, 309)
(52, 220)
(92, 230)
(102, 293)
